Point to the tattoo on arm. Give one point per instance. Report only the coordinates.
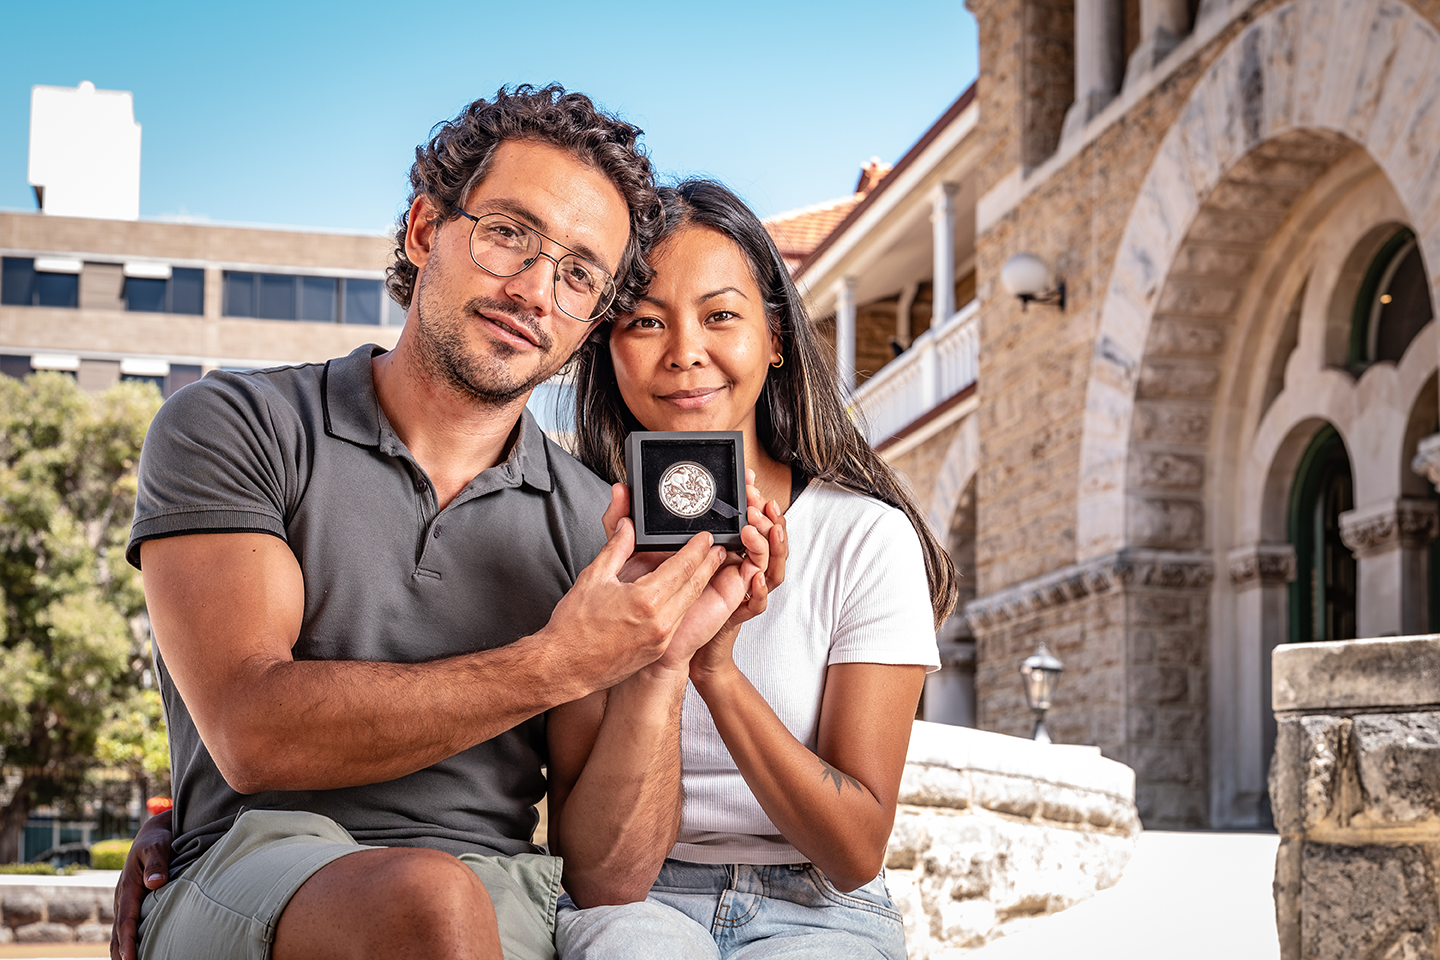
(839, 777)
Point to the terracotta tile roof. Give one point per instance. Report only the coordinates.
(798, 232)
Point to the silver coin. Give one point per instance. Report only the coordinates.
(687, 489)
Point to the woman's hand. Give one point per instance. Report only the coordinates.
(737, 592)
(767, 548)
(147, 867)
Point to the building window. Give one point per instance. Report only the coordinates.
(317, 299)
(1393, 305)
(1322, 596)
(17, 367)
(282, 296)
(164, 289)
(181, 375)
(275, 296)
(362, 302)
(40, 282)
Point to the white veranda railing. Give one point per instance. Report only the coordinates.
(940, 363)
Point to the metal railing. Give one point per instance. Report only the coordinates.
(940, 363)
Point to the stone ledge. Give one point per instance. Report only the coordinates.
(1357, 675)
(78, 908)
(1127, 568)
(967, 749)
(993, 830)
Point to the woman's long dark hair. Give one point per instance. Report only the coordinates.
(800, 419)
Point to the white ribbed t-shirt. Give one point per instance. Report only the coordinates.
(854, 592)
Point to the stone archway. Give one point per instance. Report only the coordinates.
(962, 459)
(1296, 89)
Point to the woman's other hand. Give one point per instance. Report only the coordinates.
(762, 569)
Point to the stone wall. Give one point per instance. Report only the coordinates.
(57, 909)
(1132, 629)
(1355, 789)
(993, 831)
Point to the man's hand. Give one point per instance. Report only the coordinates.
(625, 608)
(738, 590)
(147, 867)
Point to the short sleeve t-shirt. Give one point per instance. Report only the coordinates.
(305, 454)
(855, 592)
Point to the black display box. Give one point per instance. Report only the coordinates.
(683, 482)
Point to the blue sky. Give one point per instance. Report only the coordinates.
(307, 114)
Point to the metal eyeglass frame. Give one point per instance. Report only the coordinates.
(601, 306)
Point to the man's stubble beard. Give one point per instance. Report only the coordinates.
(444, 351)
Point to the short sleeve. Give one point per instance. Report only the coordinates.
(218, 457)
(886, 616)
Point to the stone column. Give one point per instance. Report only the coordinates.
(1163, 24)
(845, 332)
(942, 217)
(1099, 60)
(1260, 573)
(1391, 546)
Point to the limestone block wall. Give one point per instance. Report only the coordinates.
(993, 831)
(1355, 789)
(57, 909)
(1132, 629)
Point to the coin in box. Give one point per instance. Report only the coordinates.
(683, 482)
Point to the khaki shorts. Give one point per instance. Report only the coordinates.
(227, 904)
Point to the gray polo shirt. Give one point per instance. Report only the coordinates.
(306, 454)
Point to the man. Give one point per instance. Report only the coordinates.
(369, 580)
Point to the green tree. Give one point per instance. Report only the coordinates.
(134, 741)
(73, 631)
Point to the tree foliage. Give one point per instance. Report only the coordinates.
(73, 632)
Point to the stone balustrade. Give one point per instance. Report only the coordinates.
(57, 909)
(942, 361)
(994, 830)
(1355, 790)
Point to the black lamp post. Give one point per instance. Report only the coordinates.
(1040, 671)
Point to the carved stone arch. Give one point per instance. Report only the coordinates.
(1300, 86)
(957, 470)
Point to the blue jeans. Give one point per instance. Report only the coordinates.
(700, 911)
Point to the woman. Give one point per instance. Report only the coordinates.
(794, 729)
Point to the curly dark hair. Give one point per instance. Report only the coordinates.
(458, 155)
(800, 417)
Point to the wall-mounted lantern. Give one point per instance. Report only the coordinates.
(1025, 275)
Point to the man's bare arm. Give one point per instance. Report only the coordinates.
(226, 610)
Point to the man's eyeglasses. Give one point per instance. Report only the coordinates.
(504, 247)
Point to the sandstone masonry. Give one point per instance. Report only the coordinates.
(1355, 786)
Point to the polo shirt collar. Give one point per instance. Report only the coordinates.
(352, 412)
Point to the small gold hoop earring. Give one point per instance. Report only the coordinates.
(779, 363)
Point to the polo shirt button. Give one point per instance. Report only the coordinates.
(420, 485)
(437, 531)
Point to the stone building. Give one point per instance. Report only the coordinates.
(1217, 439)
